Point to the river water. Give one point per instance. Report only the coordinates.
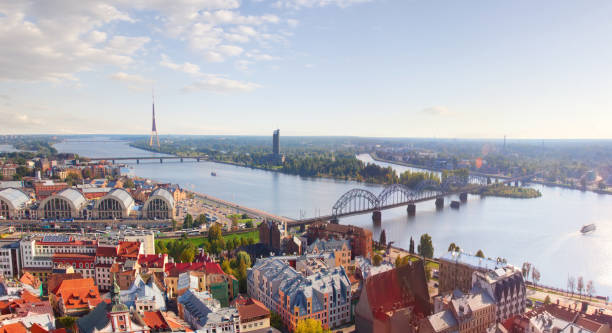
(543, 231)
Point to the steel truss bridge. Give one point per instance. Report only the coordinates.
(360, 201)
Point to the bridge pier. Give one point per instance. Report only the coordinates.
(181, 160)
(439, 203)
(488, 180)
(302, 228)
(455, 204)
(377, 217)
(334, 220)
(411, 209)
(137, 161)
(161, 160)
(516, 183)
(113, 161)
(198, 159)
(463, 197)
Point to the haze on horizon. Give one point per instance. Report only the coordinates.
(369, 68)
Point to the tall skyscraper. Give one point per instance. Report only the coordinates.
(276, 142)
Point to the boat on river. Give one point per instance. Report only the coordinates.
(587, 228)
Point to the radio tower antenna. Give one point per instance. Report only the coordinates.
(153, 127)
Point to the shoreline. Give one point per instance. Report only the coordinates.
(535, 181)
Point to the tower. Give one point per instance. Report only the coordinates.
(276, 142)
(154, 128)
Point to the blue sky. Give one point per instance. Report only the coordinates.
(396, 68)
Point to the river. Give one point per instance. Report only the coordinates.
(543, 231)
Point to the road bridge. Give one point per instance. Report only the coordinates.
(140, 158)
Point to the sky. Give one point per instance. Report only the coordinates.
(382, 68)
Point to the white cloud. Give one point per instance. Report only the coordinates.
(132, 78)
(218, 84)
(437, 111)
(297, 4)
(186, 67)
(52, 41)
(293, 22)
(243, 65)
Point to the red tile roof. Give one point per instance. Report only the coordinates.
(129, 250)
(174, 269)
(155, 320)
(588, 324)
(17, 327)
(106, 251)
(78, 293)
(54, 281)
(36, 328)
(152, 260)
(403, 287)
(213, 268)
(30, 280)
(252, 309)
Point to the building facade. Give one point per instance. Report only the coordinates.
(360, 239)
(325, 296)
(456, 269)
(507, 289)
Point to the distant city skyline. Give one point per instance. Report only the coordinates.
(369, 68)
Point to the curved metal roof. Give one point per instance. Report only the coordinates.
(15, 198)
(71, 195)
(162, 192)
(120, 195)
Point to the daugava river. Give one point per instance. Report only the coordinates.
(543, 231)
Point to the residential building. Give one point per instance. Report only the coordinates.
(159, 321)
(75, 297)
(82, 263)
(456, 269)
(55, 279)
(106, 256)
(152, 262)
(324, 296)
(10, 258)
(254, 316)
(112, 318)
(393, 301)
(205, 314)
(144, 296)
(7, 171)
(271, 234)
(470, 313)
(341, 250)
(506, 287)
(360, 239)
(45, 188)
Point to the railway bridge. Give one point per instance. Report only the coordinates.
(361, 201)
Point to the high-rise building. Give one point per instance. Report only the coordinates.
(276, 142)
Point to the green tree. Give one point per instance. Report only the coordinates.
(128, 183)
(200, 221)
(276, 321)
(242, 256)
(411, 248)
(215, 233)
(67, 321)
(249, 224)
(453, 247)
(188, 222)
(187, 255)
(309, 326)
(160, 247)
(547, 300)
(376, 260)
(174, 224)
(425, 247)
(480, 254)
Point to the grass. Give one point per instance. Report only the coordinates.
(198, 241)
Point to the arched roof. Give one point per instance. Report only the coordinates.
(76, 199)
(120, 195)
(163, 193)
(15, 198)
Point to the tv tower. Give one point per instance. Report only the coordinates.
(154, 128)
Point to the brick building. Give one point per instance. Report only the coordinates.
(271, 234)
(456, 269)
(360, 239)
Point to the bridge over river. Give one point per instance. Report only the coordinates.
(359, 201)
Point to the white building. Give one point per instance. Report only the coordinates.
(506, 287)
(205, 314)
(10, 258)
